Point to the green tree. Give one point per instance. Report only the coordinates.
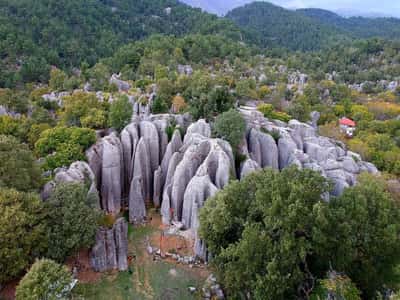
(363, 235)
(261, 232)
(83, 109)
(72, 221)
(230, 126)
(120, 113)
(45, 280)
(22, 232)
(63, 145)
(57, 79)
(18, 168)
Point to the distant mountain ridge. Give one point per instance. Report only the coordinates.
(308, 29)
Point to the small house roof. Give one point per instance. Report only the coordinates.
(347, 122)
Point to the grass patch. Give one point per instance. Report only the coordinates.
(146, 279)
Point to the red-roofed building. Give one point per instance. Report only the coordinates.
(347, 126)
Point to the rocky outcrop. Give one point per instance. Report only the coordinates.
(122, 86)
(249, 166)
(111, 249)
(78, 172)
(300, 145)
(263, 149)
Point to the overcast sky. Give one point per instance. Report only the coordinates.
(388, 7)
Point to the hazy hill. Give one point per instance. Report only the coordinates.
(66, 32)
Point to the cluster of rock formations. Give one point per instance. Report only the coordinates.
(178, 173)
(299, 144)
(111, 248)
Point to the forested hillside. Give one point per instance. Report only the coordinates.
(309, 29)
(358, 27)
(280, 27)
(40, 33)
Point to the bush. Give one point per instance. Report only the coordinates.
(72, 221)
(120, 113)
(18, 168)
(68, 143)
(269, 112)
(22, 232)
(336, 286)
(45, 280)
(230, 126)
(84, 109)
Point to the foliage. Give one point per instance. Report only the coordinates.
(62, 145)
(269, 214)
(15, 101)
(45, 280)
(71, 222)
(17, 127)
(29, 31)
(22, 232)
(230, 126)
(178, 104)
(18, 168)
(57, 79)
(120, 113)
(336, 286)
(83, 109)
(365, 239)
(269, 112)
(278, 27)
(251, 223)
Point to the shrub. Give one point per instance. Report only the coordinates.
(22, 232)
(68, 143)
(18, 168)
(269, 112)
(120, 113)
(45, 280)
(230, 126)
(72, 221)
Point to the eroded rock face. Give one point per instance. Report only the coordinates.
(300, 145)
(179, 176)
(78, 172)
(112, 174)
(249, 166)
(111, 249)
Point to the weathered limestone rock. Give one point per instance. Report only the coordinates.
(149, 133)
(286, 148)
(161, 126)
(200, 127)
(198, 190)
(249, 166)
(78, 172)
(129, 140)
(111, 249)
(174, 145)
(122, 86)
(186, 169)
(157, 187)
(300, 131)
(112, 174)
(137, 207)
(142, 168)
(166, 196)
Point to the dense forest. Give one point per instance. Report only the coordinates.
(117, 116)
(37, 34)
(309, 29)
